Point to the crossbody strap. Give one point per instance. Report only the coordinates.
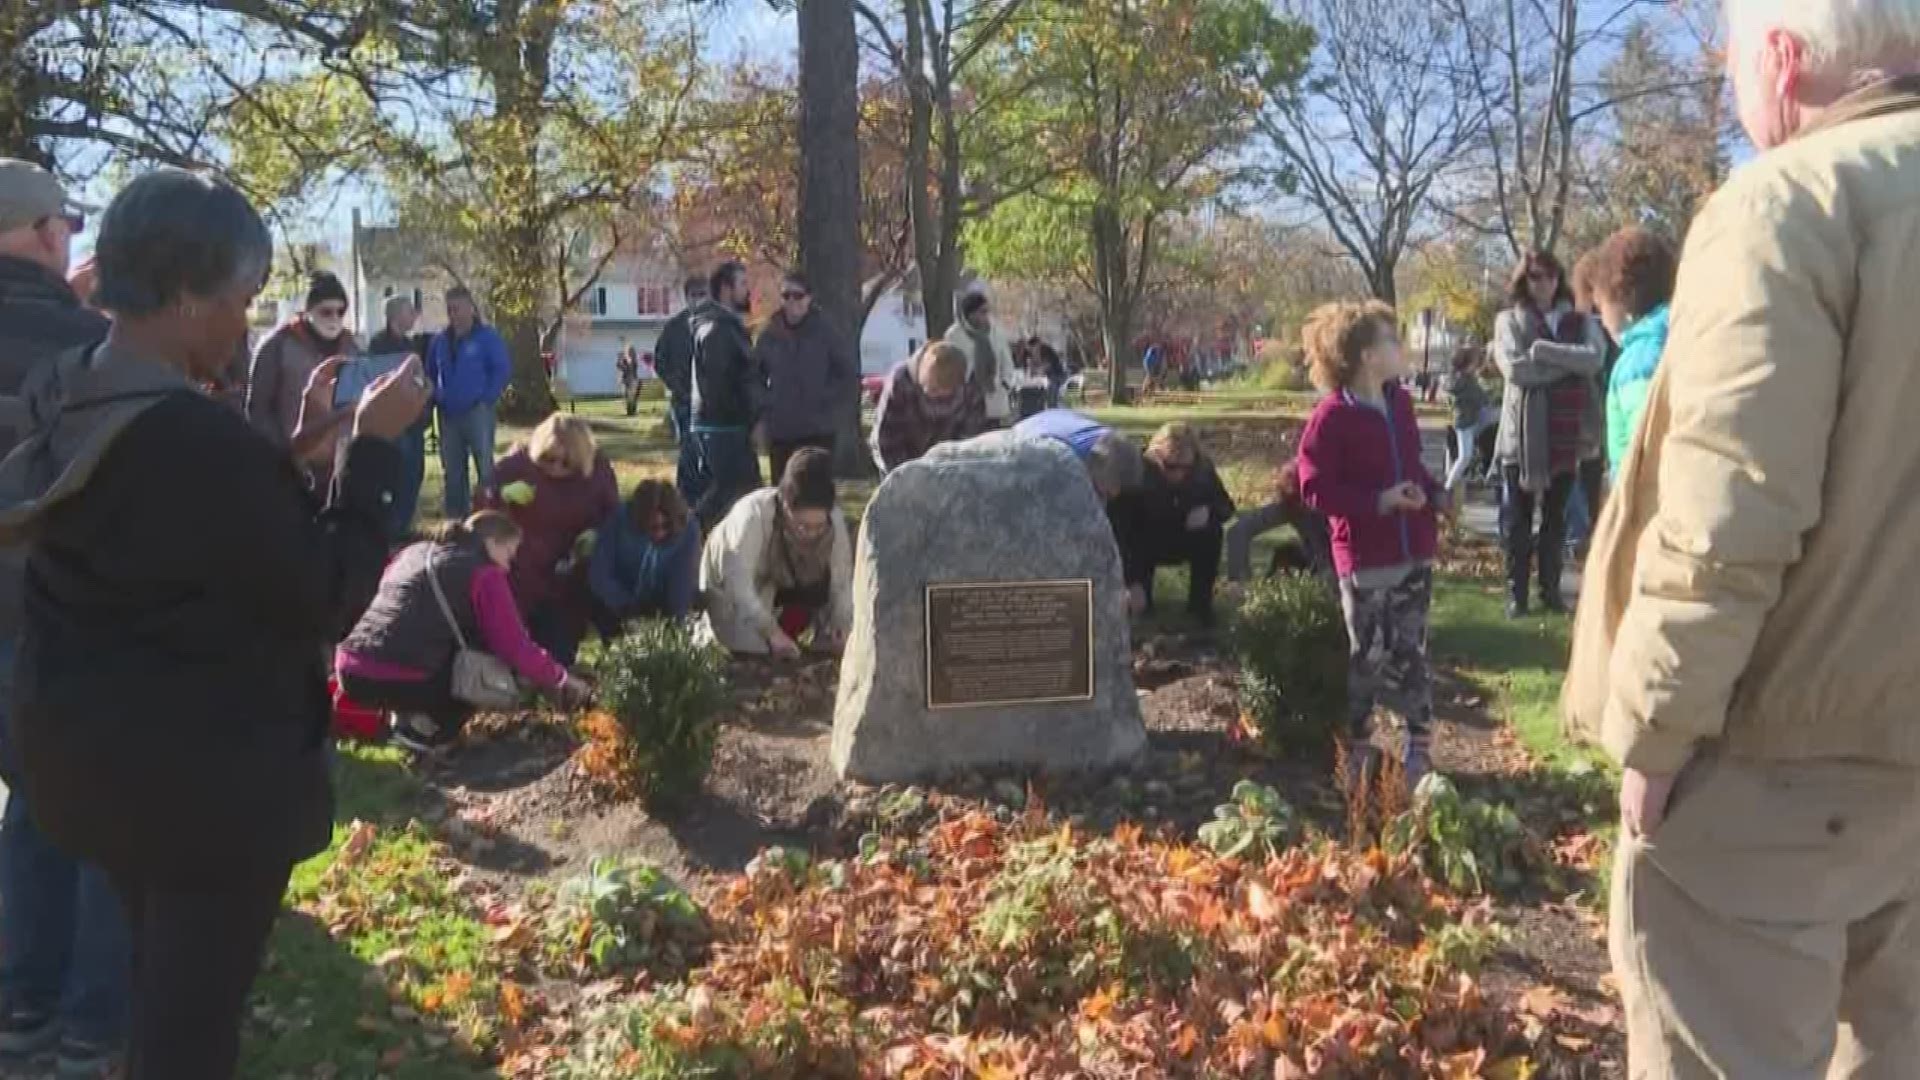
(446, 609)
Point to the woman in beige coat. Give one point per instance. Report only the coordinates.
(781, 562)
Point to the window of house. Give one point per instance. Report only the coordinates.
(653, 300)
(386, 292)
(597, 300)
(417, 298)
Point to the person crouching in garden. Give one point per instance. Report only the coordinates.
(1360, 465)
(928, 400)
(558, 488)
(183, 586)
(1176, 517)
(781, 562)
(1312, 549)
(646, 561)
(437, 597)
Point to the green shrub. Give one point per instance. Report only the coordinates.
(1466, 843)
(620, 916)
(665, 692)
(1257, 823)
(1290, 640)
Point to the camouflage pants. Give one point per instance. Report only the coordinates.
(1387, 657)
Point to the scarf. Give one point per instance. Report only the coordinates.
(794, 563)
(986, 365)
(1553, 417)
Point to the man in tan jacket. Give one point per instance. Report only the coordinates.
(1748, 646)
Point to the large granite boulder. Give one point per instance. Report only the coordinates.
(995, 509)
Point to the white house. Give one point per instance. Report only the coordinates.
(628, 304)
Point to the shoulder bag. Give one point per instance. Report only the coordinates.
(480, 679)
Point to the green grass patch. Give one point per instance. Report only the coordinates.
(383, 968)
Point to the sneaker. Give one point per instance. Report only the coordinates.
(24, 1032)
(1516, 610)
(417, 732)
(79, 1059)
(1415, 766)
(1554, 604)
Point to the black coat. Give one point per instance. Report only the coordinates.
(172, 713)
(729, 386)
(40, 317)
(1153, 517)
(673, 353)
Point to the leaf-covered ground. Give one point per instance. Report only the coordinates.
(467, 921)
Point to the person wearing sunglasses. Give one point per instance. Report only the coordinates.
(811, 376)
(64, 944)
(284, 362)
(1177, 516)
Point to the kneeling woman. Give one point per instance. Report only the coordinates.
(781, 562)
(399, 658)
(646, 564)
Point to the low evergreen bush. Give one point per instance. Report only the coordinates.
(1290, 640)
(661, 694)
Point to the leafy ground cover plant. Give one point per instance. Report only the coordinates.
(1256, 823)
(1291, 644)
(623, 915)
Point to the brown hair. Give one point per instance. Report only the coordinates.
(652, 497)
(941, 364)
(1517, 291)
(1635, 268)
(487, 526)
(808, 482)
(568, 434)
(1465, 358)
(1338, 335)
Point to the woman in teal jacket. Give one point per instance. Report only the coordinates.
(1632, 284)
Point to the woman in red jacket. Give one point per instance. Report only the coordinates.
(1360, 466)
(557, 488)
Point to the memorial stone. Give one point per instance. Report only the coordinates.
(990, 622)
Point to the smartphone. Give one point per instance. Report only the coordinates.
(360, 372)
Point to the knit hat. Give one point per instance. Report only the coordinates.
(322, 287)
(808, 481)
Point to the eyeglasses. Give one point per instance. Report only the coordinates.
(76, 221)
(807, 528)
(793, 296)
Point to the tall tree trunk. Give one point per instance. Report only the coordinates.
(830, 192)
(920, 209)
(947, 264)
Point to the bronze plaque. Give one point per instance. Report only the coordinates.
(1009, 643)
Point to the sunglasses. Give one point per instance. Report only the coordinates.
(793, 296)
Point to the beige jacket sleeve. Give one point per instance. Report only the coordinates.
(735, 575)
(840, 606)
(1754, 363)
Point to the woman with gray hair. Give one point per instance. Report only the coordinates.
(182, 589)
(1745, 643)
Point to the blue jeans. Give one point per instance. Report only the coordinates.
(688, 475)
(732, 469)
(64, 946)
(413, 472)
(466, 436)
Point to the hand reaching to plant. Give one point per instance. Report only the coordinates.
(575, 690)
(782, 646)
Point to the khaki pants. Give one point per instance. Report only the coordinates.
(1767, 930)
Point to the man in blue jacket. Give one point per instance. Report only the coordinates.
(469, 367)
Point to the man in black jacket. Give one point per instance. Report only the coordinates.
(729, 392)
(673, 362)
(64, 947)
(1175, 517)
